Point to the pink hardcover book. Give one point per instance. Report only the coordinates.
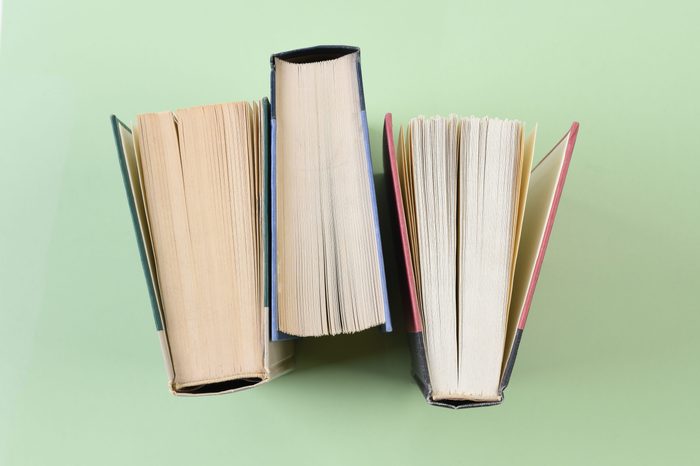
(546, 183)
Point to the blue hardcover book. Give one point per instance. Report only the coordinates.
(327, 269)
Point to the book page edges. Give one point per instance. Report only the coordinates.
(310, 55)
(279, 357)
(279, 360)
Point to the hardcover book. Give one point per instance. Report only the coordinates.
(327, 265)
(473, 223)
(211, 307)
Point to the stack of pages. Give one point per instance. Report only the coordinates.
(473, 224)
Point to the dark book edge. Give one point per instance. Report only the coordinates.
(116, 124)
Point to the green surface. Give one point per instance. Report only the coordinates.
(608, 369)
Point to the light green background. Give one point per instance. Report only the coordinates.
(608, 370)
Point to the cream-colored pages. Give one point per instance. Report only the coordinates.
(528, 152)
(329, 278)
(462, 181)
(405, 163)
(201, 181)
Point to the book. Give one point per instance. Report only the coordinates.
(257, 222)
(473, 222)
(327, 265)
(196, 186)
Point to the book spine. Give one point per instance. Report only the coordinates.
(510, 362)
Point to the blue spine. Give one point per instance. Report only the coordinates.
(375, 215)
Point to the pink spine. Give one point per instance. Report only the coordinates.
(413, 321)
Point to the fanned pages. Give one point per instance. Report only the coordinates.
(477, 223)
(465, 176)
(329, 268)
